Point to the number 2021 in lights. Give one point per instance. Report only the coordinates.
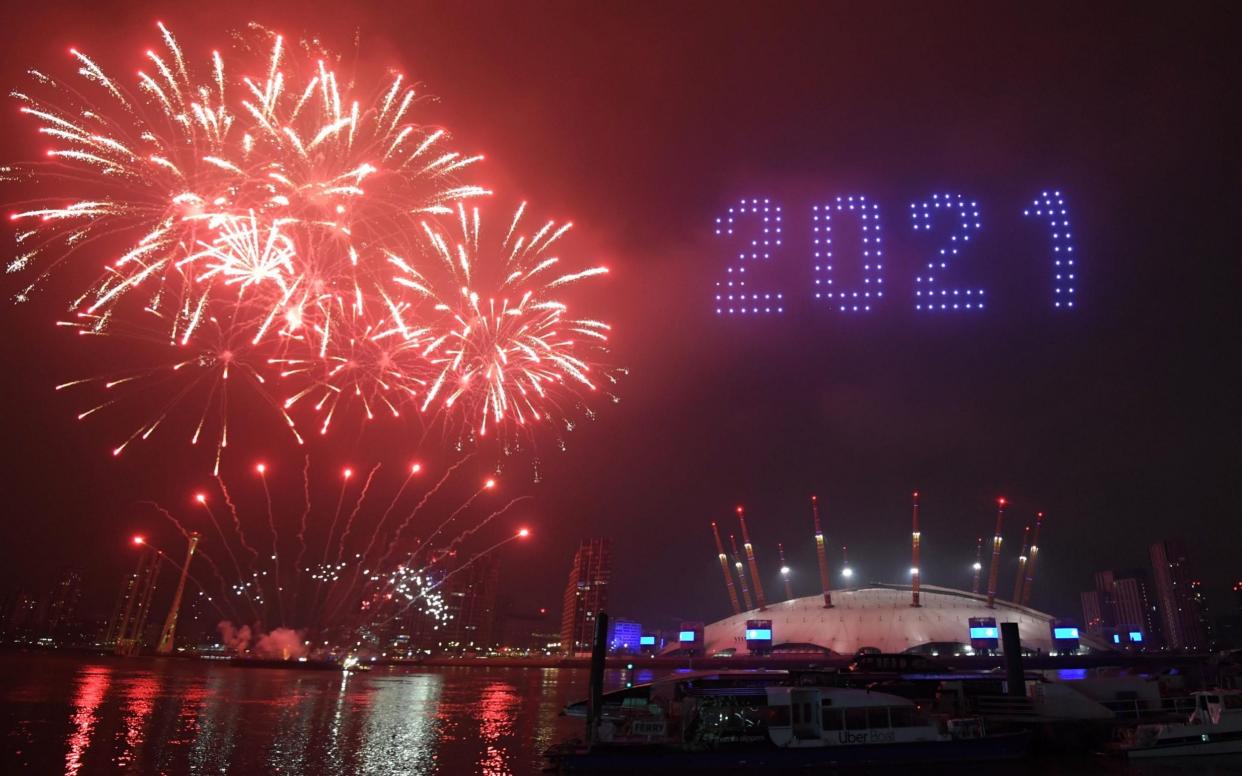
(949, 215)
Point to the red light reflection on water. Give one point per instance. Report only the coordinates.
(92, 687)
(496, 712)
(139, 701)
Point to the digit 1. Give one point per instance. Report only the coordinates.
(734, 295)
(872, 289)
(929, 295)
(1050, 206)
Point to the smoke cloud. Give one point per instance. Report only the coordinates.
(236, 639)
(279, 644)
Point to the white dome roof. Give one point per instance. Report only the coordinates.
(881, 617)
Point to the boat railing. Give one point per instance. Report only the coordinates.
(1137, 709)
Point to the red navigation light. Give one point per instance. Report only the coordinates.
(261, 468)
(200, 498)
(1001, 501)
(489, 484)
(139, 540)
(523, 532)
(348, 473)
(416, 468)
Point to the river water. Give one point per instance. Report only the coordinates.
(86, 715)
(71, 715)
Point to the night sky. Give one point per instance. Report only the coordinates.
(642, 124)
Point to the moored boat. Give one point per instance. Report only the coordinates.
(1213, 728)
(743, 719)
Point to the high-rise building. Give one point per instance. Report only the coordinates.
(1134, 605)
(1179, 611)
(1121, 605)
(586, 594)
(1093, 613)
(470, 620)
(64, 603)
(470, 598)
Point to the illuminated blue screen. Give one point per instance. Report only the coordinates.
(686, 636)
(1116, 639)
(983, 633)
(1064, 633)
(758, 634)
(646, 641)
(1136, 636)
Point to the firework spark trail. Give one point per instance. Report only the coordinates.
(297, 562)
(241, 532)
(240, 577)
(466, 505)
(477, 527)
(349, 523)
(347, 475)
(396, 536)
(375, 534)
(271, 524)
(429, 590)
(224, 587)
(336, 515)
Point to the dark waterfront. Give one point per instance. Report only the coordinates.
(78, 715)
(86, 715)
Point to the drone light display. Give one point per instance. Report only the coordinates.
(946, 225)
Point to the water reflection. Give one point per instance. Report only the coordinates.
(140, 695)
(402, 725)
(495, 714)
(91, 688)
(166, 716)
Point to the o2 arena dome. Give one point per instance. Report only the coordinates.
(880, 617)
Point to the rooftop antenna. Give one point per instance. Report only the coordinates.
(1017, 584)
(996, 548)
(821, 553)
(1030, 564)
(750, 559)
(978, 567)
(724, 568)
(785, 571)
(914, 553)
(741, 574)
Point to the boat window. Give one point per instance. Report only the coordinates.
(856, 719)
(832, 720)
(903, 716)
(778, 716)
(877, 717)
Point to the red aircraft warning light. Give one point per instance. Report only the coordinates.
(416, 468)
(200, 498)
(523, 532)
(489, 484)
(139, 540)
(261, 468)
